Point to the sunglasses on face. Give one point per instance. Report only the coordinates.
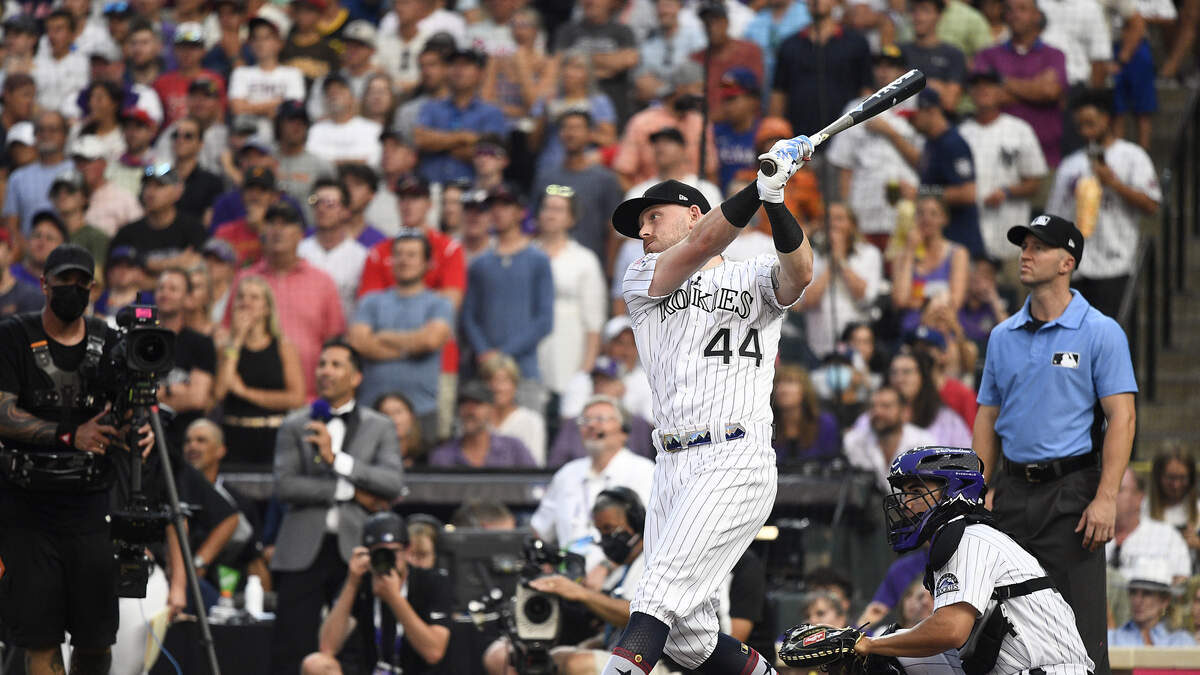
(560, 190)
(183, 135)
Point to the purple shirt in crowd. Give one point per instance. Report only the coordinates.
(826, 444)
(1045, 118)
(900, 575)
(504, 452)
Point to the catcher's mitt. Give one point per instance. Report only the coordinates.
(808, 646)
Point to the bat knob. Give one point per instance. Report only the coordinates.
(767, 167)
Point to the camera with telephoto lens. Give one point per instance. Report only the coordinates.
(383, 560)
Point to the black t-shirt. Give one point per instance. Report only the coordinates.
(748, 600)
(193, 351)
(431, 598)
(20, 375)
(186, 232)
(200, 191)
(208, 506)
(943, 61)
(22, 297)
(819, 81)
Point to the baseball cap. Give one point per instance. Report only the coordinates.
(1055, 231)
(475, 56)
(615, 326)
(385, 527)
(927, 335)
(738, 81)
(712, 9)
(891, 54)
(21, 132)
(411, 186)
(204, 85)
(87, 146)
(49, 215)
(979, 76)
(688, 72)
(292, 109)
(243, 125)
(285, 212)
(505, 194)
(475, 391)
(359, 31)
(163, 174)
(120, 8)
(625, 218)
(274, 17)
(256, 143)
(105, 50)
(772, 127)
(125, 254)
(491, 144)
(189, 33)
(606, 367)
(667, 134)
(139, 115)
(219, 249)
(260, 177)
(21, 23)
(474, 200)
(67, 257)
(929, 98)
(69, 178)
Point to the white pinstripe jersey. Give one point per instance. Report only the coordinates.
(1046, 636)
(709, 346)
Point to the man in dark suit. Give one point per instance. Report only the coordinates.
(330, 473)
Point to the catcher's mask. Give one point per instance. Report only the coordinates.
(948, 481)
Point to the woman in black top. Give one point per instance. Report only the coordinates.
(258, 378)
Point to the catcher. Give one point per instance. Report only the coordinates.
(992, 600)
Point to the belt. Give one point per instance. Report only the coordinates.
(1041, 472)
(262, 422)
(682, 439)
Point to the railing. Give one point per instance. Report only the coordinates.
(1145, 265)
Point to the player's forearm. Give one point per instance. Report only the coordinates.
(984, 440)
(18, 425)
(1118, 442)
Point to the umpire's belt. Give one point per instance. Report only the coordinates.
(681, 439)
(1041, 472)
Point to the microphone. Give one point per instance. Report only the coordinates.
(320, 411)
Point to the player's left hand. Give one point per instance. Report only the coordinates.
(1097, 522)
(788, 155)
(558, 585)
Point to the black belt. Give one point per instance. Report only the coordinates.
(1041, 472)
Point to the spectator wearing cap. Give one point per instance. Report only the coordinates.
(402, 330)
(356, 65)
(362, 182)
(673, 40)
(680, 110)
(941, 348)
(200, 187)
(70, 203)
(198, 12)
(310, 309)
(259, 192)
(299, 168)
(16, 294)
(172, 86)
(109, 206)
(775, 22)
(490, 161)
(143, 50)
(400, 46)
(254, 153)
(59, 71)
(796, 84)
(205, 103)
(1129, 190)
(306, 47)
(17, 96)
(576, 92)
(138, 129)
(124, 279)
(619, 363)
(331, 248)
(431, 19)
(447, 129)
(943, 64)
(1139, 539)
(221, 260)
(20, 45)
(476, 445)
(596, 190)
(258, 90)
(1009, 166)
(433, 63)
(606, 379)
(345, 137)
(740, 111)
(1150, 592)
(1034, 76)
(47, 233)
(107, 63)
(231, 33)
(19, 147)
(1050, 488)
(29, 186)
(724, 53)
(509, 305)
(475, 236)
(166, 236)
(868, 161)
(612, 47)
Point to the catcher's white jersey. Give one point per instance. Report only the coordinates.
(709, 346)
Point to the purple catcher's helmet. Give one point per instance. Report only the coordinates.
(957, 472)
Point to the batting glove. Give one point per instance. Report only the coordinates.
(788, 155)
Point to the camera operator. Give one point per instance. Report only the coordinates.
(402, 625)
(53, 508)
(619, 516)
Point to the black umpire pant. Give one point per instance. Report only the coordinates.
(300, 597)
(1042, 518)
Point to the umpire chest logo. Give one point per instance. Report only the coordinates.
(947, 583)
(1065, 359)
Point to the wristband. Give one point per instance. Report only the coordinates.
(784, 229)
(741, 207)
(65, 434)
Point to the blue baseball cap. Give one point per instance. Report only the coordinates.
(740, 80)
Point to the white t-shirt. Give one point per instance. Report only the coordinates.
(256, 85)
(1077, 28)
(874, 162)
(399, 57)
(1006, 152)
(440, 21)
(59, 79)
(344, 263)
(1151, 539)
(356, 139)
(1110, 251)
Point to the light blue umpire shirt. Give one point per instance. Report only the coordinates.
(1047, 383)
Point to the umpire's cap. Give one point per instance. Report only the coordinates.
(625, 218)
(384, 527)
(1055, 231)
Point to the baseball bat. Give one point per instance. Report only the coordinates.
(898, 90)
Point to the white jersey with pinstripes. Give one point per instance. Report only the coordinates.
(1044, 624)
(708, 346)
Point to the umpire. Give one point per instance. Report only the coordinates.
(1047, 368)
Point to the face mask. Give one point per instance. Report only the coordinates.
(69, 302)
(618, 545)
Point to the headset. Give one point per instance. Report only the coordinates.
(635, 512)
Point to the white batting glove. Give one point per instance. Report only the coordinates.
(788, 155)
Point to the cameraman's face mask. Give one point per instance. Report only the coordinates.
(69, 301)
(618, 545)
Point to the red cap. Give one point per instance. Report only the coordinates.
(4, 235)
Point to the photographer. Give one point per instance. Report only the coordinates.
(54, 479)
(402, 625)
(620, 517)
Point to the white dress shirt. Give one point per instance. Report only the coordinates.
(343, 465)
(861, 447)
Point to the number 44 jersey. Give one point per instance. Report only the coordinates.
(709, 346)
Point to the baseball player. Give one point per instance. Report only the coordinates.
(992, 600)
(708, 332)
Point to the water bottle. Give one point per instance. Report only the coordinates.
(254, 596)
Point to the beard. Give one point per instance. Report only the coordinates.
(884, 427)
(593, 446)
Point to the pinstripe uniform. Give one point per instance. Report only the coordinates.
(1044, 624)
(709, 350)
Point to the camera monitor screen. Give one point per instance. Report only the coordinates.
(479, 560)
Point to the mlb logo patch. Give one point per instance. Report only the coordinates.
(947, 583)
(814, 638)
(1065, 359)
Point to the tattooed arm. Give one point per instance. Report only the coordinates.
(19, 425)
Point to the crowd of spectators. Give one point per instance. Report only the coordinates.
(426, 186)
